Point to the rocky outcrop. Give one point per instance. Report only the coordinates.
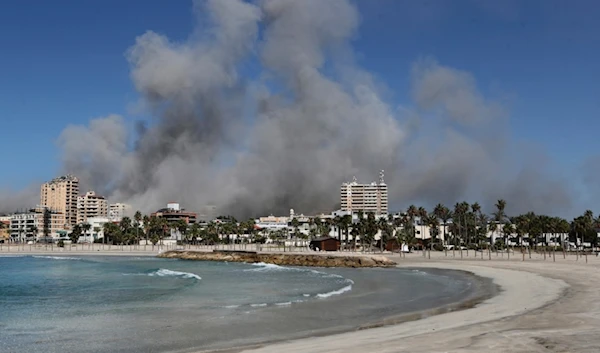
(314, 260)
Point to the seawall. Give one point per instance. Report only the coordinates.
(314, 260)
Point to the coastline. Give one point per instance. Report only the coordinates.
(521, 318)
(543, 306)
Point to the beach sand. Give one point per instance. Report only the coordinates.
(544, 306)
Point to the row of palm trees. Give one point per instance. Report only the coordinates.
(463, 226)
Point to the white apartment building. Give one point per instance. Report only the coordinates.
(91, 205)
(373, 197)
(60, 195)
(117, 211)
(35, 224)
(96, 229)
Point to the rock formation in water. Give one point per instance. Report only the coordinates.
(314, 260)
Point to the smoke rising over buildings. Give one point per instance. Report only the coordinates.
(308, 121)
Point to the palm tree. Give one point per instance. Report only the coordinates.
(346, 222)
(296, 225)
(181, 226)
(137, 217)
(492, 228)
(86, 228)
(412, 212)
(382, 226)
(442, 212)
(422, 213)
(194, 232)
(434, 225)
(482, 232)
(507, 230)
(146, 221)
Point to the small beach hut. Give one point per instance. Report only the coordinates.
(325, 244)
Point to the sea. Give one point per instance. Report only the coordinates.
(146, 304)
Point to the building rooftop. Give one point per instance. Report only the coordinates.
(62, 178)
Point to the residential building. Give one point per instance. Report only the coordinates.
(373, 197)
(91, 205)
(40, 223)
(117, 211)
(96, 228)
(4, 229)
(272, 223)
(173, 212)
(60, 195)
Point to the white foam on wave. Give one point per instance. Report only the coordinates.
(268, 267)
(57, 257)
(337, 292)
(258, 305)
(306, 295)
(231, 306)
(283, 304)
(163, 272)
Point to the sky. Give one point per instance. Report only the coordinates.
(63, 63)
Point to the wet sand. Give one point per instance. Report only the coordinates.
(544, 306)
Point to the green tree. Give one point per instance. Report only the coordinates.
(86, 230)
(75, 234)
(137, 217)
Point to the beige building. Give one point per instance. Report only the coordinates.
(60, 195)
(117, 211)
(371, 197)
(91, 205)
(37, 224)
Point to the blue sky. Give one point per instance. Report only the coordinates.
(62, 62)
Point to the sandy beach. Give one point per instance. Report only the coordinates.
(543, 306)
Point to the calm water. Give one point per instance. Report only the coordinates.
(133, 304)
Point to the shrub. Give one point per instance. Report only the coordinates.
(438, 247)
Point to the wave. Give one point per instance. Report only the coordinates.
(336, 292)
(57, 257)
(163, 272)
(283, 304)
(258, 305)
(268, 267)
(272, 267)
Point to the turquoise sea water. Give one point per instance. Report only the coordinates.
(140, 304)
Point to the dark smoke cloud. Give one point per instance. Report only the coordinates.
(309, 130)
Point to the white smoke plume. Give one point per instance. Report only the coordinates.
(310, 121)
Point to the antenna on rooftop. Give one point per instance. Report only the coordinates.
(381, 177)
(354, 179)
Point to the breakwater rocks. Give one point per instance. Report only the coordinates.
(313, 260)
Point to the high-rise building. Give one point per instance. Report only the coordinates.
(91, 205)
(371, 197)
(117, 211)
(60, 195)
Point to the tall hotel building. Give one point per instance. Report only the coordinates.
(371, 197)
(60, 195)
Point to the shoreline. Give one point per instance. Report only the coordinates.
(428, 334)
(543, 306)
